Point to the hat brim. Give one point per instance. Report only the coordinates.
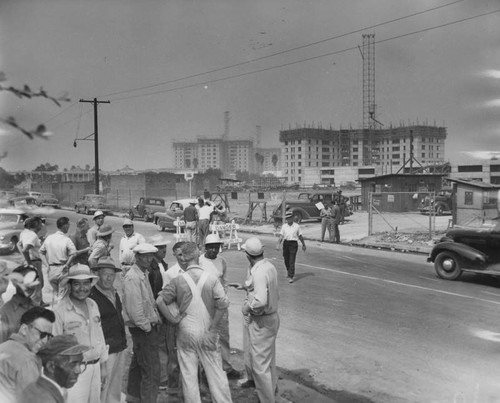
(105, 233)
(64, 281)
(98, 267)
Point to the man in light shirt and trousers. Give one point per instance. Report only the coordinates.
(59, 251)
(142, 318)
(261, 322)
(129, 240)
(79, 315)
(290, 234)
(98, 222)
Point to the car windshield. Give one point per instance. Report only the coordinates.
(49, 195)
(5, 217)
(98, 199)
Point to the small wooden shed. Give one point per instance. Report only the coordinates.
(475, 201)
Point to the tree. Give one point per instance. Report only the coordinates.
(26, 92)
(8, 181)
(87, 167)
(274, 160)
(47, 167)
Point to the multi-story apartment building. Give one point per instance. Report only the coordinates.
(227, 155)
(383, 148)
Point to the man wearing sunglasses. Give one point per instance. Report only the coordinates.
(19, 365)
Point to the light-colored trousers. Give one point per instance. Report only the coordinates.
(259, 345)
(88, 387)
(112, 389)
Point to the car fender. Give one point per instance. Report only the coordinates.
(461, 249)
(302, 211)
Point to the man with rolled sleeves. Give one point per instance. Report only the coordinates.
(262, 322)
(142, 319)
(113, 326)
(190, 216)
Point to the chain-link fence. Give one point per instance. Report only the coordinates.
(406, 212)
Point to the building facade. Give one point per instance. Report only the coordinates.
(388, 149)
(227, 155)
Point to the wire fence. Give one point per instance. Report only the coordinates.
(405, 212)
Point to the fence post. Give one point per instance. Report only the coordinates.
(431, 213)
(370, 214)
(283, 208)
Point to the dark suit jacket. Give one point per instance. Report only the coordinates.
(41, 391)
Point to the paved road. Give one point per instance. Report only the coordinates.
(377, 326)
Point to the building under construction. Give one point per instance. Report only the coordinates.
(385, 149)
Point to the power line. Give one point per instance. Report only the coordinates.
(281, 52)
(307, 59)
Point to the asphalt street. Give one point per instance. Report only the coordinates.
(370, 325)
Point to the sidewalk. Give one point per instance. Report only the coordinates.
(355, 233)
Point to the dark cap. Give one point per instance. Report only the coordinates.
(65, 345)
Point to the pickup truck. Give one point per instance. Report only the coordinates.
(304, 206)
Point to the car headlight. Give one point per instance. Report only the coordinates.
(2, 237)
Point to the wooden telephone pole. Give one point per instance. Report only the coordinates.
(96, 140)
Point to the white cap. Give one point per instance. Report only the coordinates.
(127, 221)
(143, 248)
(158, 240)
(253, 246)
(98, 213)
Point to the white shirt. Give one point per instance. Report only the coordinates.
(291, 232)
(58, 248)
(28, 237)
(171, 273)
(129, 243)
(217, 267)
(205, 212)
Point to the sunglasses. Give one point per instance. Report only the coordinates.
(43, 335)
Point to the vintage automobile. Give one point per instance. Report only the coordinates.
(165, 220)
(304, 206)
(442, 204)
(11, 225)
(90, 203)
(147, 207)
(48, 199)
(23, 202)
(475, 250)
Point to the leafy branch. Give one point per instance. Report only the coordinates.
(27, 92)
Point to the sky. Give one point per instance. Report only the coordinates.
(170, 70)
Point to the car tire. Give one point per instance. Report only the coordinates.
(439, 210)
(77, 210)
(160, 228)
(447, 265)
(297, 217)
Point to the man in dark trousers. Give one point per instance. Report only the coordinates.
(337, 218)
(113, 327)
(290, 235)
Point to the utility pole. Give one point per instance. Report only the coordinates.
(96, 140)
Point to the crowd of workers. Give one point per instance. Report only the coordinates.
(71, 347)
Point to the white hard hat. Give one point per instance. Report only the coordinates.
(253, 246)
(212, 238)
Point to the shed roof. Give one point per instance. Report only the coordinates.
(477, 184)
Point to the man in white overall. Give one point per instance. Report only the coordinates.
(201, 300)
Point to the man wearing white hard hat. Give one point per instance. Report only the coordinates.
(261, 320)
(78, 314)
(129, 240)
(217, 265)
(102, 246)
(98, 222)
(142, 318)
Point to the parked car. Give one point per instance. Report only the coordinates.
(23, 202)
(442, 204)
(165, 220)
(304, 206)
(11, 225)
(36, 195)
(48, 199)
(147, 207)
(475, 250)
(90, 203)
